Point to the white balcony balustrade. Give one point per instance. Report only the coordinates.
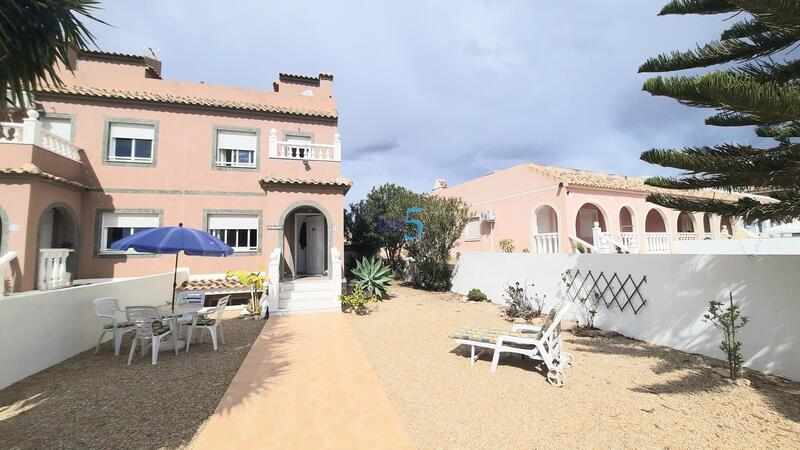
(630, 239)
(53, 268)
(30, 132)
(687, 236)
(546, 243)
(305, 151)
(657, 242)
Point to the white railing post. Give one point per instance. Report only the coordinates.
(274, 281)
(32, 128)
(337, 147)
(336, 273)
(53, 268)
(600, 239)
(273, 143)
(41, 282)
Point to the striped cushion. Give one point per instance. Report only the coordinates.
(203, 322)
(119, 325)
(159, 328)
(490, 335)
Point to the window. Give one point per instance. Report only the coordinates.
(61, 127)
(131, 142)
(238, 231)
(474, 229)
(116, 226)
(236, 148)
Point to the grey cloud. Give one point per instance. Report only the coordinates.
(448, 89)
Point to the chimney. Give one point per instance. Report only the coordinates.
(439, 184)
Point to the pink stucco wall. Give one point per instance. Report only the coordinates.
(183, 184)
(517, 192)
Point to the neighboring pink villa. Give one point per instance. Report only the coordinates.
(119, 149)
(547, 209)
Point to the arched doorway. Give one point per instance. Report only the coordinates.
(56, 243)
(686, 229)
(655, 232)
(545, 229)
(587, 215)
(627, 229)
(707, 226)
(306, 237)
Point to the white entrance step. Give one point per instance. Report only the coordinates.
(307, 295)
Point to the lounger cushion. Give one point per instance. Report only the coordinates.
(203, 322)
(490, 335)
(126, 324)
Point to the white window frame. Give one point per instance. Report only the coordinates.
(134, 137)
(235, 223)
(235, 152)
(128, 220)
(470, 236)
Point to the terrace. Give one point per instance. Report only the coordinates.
(365, 381)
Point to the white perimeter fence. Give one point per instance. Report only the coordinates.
(677, 291)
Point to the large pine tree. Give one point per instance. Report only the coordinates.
(759, 86)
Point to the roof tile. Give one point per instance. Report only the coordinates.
(122, 94)
(591, 179)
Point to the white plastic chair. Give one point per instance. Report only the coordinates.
(191, 298)
(107, 309)
(213, 325)
(150, 326)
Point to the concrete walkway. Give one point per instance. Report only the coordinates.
(305, 383)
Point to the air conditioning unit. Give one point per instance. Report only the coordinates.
(488, 216)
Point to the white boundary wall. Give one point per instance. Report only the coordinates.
(42, 328)
(677, 291)
(759, 246)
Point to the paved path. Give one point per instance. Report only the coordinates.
(305, 383)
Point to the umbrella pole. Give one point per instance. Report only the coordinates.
(175, 281)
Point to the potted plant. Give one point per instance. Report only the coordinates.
(256, 282)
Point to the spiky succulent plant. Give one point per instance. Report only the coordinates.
(372, 276)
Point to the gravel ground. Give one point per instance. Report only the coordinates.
(620, 393)
(96, 401)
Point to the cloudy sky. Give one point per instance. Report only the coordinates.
(445, 89)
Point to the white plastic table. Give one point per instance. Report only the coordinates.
(167, 312)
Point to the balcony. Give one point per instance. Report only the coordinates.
(30, 132)
(304, 151)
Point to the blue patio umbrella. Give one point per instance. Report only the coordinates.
(169, 240)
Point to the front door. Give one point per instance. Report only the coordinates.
(315, 254)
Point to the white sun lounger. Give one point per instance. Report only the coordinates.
(527, 340)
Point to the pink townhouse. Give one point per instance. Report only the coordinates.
(118, 149)
(546, 209)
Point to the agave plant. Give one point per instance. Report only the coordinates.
(372, 276)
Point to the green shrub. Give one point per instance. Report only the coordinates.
(728, 320)
(372, 276)
(476, 295)
(356, 301)
(433, 276)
